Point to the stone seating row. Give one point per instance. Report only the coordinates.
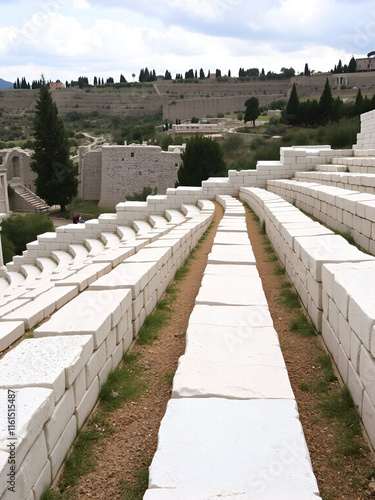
(34, 299)
(57, 375)
(231, 428)
(364, 183)
(335, 282)
(341, 209)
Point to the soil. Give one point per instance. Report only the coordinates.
(133, 444)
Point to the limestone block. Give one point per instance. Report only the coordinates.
(127, 275)
(43, 480)
(289, 232)
(367, 373)
(159, 255)
(244, 345)
(231, 290)
(264, 432)
(123, 326)
(343, 364)
(226, 254)
(33, 407)
(93, 313)
(247, 271)
(79, 386)
(87, 275)
(229, 494)
(87, 403)
(95, 364)
(104, 372)
(344, 335)
(237, 316)
(52, 362)
(368, 417)
(117, 355)
(10, 331)
(355, 387)
(228, 238)
(62, 413)
(330, 339)
(128, 338)
(198, 377)
(29, 470)
(110, 342)
(62, 446)
(114, 257)
(35, 311)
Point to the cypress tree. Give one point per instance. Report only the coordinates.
(56, 181)
(325, 104)
(292, 108)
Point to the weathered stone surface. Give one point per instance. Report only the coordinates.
(9, 332)
(227, 254)
(52, 362)
(204, 378)
(228, 494)
(237, 316)
(256, 437)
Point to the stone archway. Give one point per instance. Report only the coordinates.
(15, 169)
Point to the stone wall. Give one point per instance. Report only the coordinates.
(203, 106)
(17, 163)
(366, 138)
(128, 169)
(90, 173)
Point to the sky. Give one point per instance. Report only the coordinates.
(65, 39)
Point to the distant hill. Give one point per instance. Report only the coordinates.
(5, 85)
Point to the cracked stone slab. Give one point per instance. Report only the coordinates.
(237, 316)
(227, 254)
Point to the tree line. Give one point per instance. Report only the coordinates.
(319, 112)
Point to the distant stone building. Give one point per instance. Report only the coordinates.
(111, 173)
(365, 64)
(56, 85)
(16, 161)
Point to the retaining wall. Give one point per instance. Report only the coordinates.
(335, 282)
(54, 379)
(340, 209)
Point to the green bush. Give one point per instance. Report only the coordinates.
(21, 230)
(232, 143)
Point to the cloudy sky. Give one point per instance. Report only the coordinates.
(64, 39)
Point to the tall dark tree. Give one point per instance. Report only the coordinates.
(325, 104)
(252, 110)
(167, 75)
(292, 108)
(202, 158)
(218, 73)
(95, 81)
(56, 181)
(122, 78)
(201, 74)
(229, 74)
(306, 71)
(352, 66)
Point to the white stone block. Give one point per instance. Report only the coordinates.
(343, 364)
(159, 255)
(123, 325)
(368, 417)
(355, 387)
(344, 335)
(110, 342)
(91, 313)
(244, 345)
(226, 254)
(29, 470)
(95, 364)
(330, 339)
(367, 373)
(53, 363)
(117, 355)
(62, 446)
(127, 275)
(32, 408)
(56, 425)
(79, 386)
(228, 494)
(43, 480)
(198, 377)
(9, 332)
(88, 402)
(128, 339)
(237, 316)
(229, 238)
(231, 290)
(104, 372)
(265, 432)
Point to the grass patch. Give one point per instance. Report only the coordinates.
(302, 325)
(289, 298)
(339, 407)
(263, 227)
(126, 381)
(136, 490)
(279, 270)
(152, 325)
(167, 378)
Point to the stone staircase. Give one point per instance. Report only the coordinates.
(25, 199)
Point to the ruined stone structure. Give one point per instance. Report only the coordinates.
(95, 283)
(16, 161)
(4, 202)
(110, 173)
